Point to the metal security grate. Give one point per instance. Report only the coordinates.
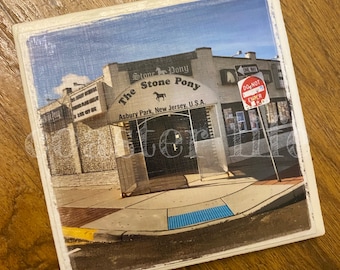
(192, 218)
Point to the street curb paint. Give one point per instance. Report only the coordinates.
(79, 233)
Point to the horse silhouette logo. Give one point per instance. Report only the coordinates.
(158, 95)
(160, 71)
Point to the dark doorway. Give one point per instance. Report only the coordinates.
(168, 145)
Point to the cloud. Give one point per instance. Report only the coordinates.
(68, 82)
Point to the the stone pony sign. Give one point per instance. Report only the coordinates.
(160, 95)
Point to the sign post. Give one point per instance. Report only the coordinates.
(254, 94)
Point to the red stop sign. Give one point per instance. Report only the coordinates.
(253, 91)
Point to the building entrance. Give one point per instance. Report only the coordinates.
(167, 141)
(168, 145)
(166, 128)
(164, 149)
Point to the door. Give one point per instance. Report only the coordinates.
(168, 145)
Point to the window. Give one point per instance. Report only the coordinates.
(272, 117)
(284, 114)
(229, 120)
(253, 120)
(267, 76)
(278, 76)
(80, 96)
(228, 76)
(241, 121)
(90, 91)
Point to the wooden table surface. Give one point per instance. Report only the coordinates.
(313, 31)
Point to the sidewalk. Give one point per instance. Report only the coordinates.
(101, 214)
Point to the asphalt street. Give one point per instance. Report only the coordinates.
(146, 251)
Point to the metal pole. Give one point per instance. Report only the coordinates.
(268, 143)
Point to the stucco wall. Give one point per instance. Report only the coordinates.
(61, 157)
(81, 148)
(96, 147)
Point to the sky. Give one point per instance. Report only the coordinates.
(78, 54)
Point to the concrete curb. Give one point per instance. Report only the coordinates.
(288, 196)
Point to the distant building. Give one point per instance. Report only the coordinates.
(164, 117)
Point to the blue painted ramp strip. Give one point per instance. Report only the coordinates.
(187, 219)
